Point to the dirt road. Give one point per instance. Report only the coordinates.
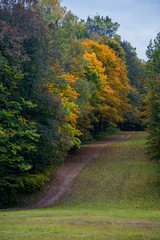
(72, 166)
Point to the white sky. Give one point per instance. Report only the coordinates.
(139, 19)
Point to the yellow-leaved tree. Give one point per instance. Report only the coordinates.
(63, 88)
(108, 72)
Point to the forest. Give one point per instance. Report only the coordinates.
(63, 81)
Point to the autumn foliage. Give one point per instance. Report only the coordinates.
(57, 88)
(112, 82)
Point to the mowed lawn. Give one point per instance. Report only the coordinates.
(116, 196)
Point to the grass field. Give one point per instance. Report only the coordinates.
(116, 196)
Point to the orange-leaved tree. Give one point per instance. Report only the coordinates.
(111, 81)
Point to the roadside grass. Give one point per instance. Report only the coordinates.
(122, 175)
(116, 196)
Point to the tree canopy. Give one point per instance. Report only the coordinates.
(62, 80)
(153, 97)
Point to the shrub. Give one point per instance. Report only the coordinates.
(34, 182)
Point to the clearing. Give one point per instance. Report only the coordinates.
(72, 166)
(113, 196)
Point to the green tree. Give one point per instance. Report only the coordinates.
(153, 97)
(153, 54)
(18, 135)
(30, 115)
(137, 74)
(102, 26)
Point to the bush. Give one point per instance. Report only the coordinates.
(34, 182)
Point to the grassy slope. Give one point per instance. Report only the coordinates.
(116, 196)
(122, 175)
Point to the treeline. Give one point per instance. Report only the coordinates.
(152, 101)
(61, 81)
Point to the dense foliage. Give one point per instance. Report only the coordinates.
(136, 72)
(61, 81)
(31, 115)
(102, 26)
(153, 97)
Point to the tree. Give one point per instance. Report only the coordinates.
(109, 74)
(153, 54)
(102, 26)
(153, 97)
(116, 46)
(136, 72)
(31, 115)
(18, 135)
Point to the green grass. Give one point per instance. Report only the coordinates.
(116, 196)
(122, 175)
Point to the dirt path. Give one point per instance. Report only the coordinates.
(72, 166)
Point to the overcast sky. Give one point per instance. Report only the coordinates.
(139, 19)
